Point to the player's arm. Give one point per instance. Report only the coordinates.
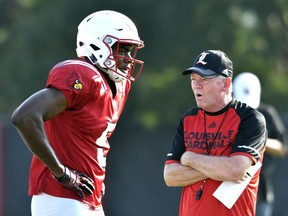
(29, 120)
(220, 168)
(276, 148)
(276, 144)
(177, 175)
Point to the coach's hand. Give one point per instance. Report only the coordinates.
(76, 181)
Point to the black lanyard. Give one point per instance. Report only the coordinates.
(207, 152)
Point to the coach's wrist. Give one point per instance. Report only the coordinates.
(185, 158)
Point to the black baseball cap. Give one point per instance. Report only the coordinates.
(211, 63)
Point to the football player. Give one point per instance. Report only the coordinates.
(66, 124)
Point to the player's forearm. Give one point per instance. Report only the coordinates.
(31, 129)
(275, 148)
(177, 175)
(220, 168)
(29, 119)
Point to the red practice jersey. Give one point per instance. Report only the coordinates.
(79, 134)
(235, 130)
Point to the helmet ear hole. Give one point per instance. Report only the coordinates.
(93, 59)
(95, 48)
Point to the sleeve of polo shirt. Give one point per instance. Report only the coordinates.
(252, 135)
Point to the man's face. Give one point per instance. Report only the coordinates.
(123, 55)
(208, 92)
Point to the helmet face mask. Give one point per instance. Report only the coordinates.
(123, 61)
(101, 38)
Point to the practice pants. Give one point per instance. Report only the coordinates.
(47, 205)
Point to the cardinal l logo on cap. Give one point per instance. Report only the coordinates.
(202, 57)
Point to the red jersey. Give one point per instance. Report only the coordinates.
(235, 130)
(79, 134)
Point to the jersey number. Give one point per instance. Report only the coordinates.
(102, 142)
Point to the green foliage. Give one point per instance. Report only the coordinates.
(35, 35)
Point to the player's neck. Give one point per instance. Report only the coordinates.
(111, 83)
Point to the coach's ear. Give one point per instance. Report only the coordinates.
(227, 84)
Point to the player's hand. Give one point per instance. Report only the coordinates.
(78, 182)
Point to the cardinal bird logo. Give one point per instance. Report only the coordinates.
(73, 82)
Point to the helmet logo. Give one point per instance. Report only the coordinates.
(202, 57)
